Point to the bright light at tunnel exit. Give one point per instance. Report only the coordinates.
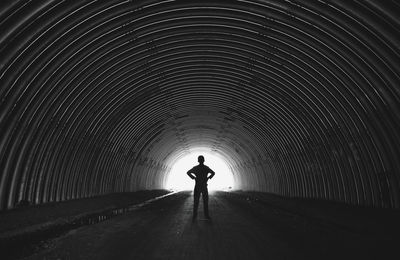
(179, 180)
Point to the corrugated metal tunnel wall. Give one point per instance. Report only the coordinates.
(301, 97)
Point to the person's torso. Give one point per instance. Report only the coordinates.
(201, 172)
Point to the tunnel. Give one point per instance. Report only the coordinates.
(301, 99)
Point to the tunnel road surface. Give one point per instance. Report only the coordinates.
(240, 229)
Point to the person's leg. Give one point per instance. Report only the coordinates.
(205, 202)
(196, 201)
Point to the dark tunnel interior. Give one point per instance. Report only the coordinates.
(302, 98)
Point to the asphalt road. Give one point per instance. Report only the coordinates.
(239, 229)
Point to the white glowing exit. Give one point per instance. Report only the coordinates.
(179, 180)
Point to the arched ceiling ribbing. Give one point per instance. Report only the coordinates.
(301, 97)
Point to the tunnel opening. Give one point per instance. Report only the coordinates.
(178, 179)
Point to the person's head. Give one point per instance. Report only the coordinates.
(200, 159)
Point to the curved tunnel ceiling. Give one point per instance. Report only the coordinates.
(301, 97)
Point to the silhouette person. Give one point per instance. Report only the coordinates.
(200, 174)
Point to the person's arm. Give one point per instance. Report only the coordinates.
(212, 173)
(189, 173)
